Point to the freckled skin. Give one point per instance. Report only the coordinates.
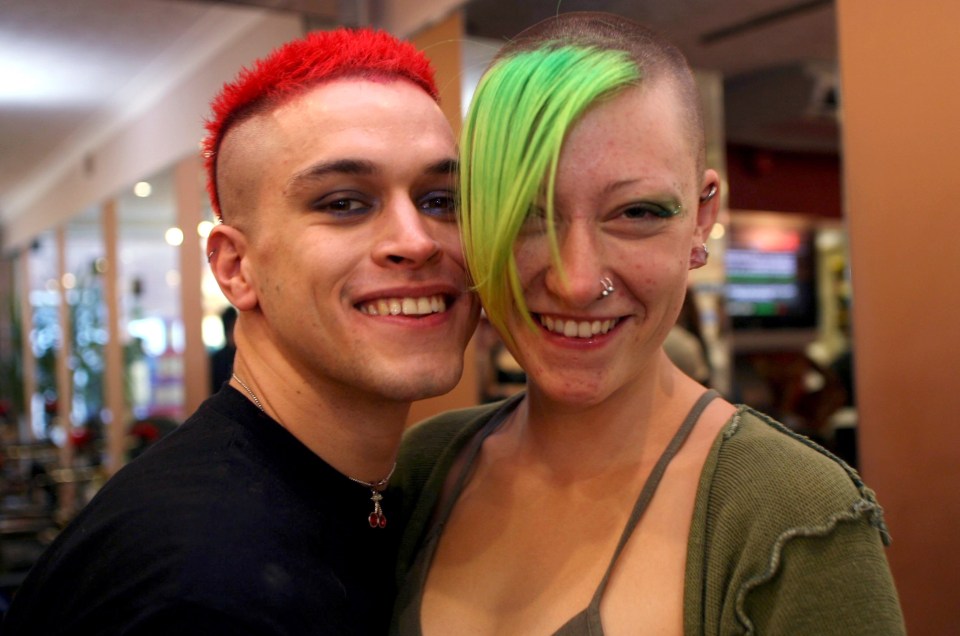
(600, 409)
(638, 138)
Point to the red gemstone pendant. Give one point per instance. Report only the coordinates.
(377, 519)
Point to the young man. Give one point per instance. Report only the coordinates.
(332, 170)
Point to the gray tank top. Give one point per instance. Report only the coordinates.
(586, 621)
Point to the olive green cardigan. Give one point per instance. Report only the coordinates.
(786, 538)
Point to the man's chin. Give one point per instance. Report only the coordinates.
(426, 384)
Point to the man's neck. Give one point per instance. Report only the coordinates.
(355, 432)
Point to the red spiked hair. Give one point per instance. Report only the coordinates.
(301, 64)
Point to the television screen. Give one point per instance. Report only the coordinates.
(770, 274)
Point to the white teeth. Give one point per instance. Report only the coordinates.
(407, 306)
(577, 329)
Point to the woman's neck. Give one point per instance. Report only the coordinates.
(629, 426)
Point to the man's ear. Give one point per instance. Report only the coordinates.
(226, 250)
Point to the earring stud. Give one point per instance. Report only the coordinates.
(699, 256)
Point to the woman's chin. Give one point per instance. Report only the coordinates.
(576, 395)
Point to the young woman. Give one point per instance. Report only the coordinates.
(616, 495)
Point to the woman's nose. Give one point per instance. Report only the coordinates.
(576, 279)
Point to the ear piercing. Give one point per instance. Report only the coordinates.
(699, 256)
(210, 255)
(607, 286)
(712, 192)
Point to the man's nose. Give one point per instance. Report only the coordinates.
(406, 239)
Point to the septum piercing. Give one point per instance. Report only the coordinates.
(608, 287)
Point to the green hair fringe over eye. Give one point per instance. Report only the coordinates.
(510, 147)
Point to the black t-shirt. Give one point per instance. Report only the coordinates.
(229, 525)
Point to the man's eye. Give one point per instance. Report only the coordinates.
(342, 206)
(439, 204)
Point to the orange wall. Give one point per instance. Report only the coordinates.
(441, 43)
(901, 110)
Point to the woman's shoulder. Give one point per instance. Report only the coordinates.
(761, 472)
(427, 439)
(786, 534)
(771, 446)
(430, 448)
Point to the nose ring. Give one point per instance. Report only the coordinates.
(608, 287)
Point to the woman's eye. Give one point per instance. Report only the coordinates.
(642, 210)
(441, 204)
(536, 220)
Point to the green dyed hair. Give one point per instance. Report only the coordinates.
(522, 110)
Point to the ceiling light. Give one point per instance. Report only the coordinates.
(142, 189)
(173, 236)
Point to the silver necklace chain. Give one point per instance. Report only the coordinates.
(376, 518)
(250, 392)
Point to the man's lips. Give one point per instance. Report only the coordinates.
(404, 305)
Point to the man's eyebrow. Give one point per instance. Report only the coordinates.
(339, 166)
(359, 167)
(444, 166)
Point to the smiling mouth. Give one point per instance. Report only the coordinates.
(405, 306)
(577, 328)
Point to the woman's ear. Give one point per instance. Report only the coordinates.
(226, 249)
(709, 205)
(707, 210)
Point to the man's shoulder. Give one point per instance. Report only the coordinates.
(144, 545)
(169, 500)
